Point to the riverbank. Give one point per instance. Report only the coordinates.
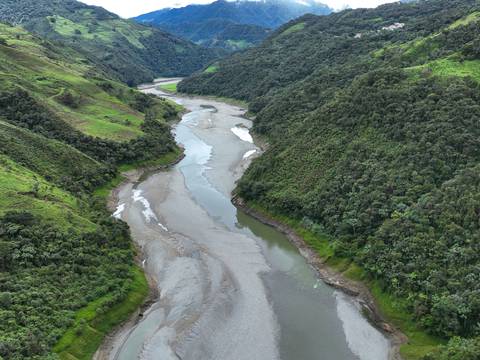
(93, 326)
(218, 274)
(386, 313)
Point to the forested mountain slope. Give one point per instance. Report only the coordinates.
(64, 129)
(373, 119)
(231, 24)
(132, 52)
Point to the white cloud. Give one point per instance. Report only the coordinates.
(340, 4)
(130, 8)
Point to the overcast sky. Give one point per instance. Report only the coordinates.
(130, 8)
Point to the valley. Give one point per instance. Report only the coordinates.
(225, 280)
(298, 183)
(230, 25)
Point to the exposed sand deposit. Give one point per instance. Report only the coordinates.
(230, 288)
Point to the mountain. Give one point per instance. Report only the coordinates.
(231, 24)
(132, 52)
(372, 117)
(67, 270)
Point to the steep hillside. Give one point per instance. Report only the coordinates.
(65, 263)
(373, 120)
(132, 52)
(231, 25)
(225, 34)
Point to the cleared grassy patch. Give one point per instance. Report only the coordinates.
(451, 67)
(85, 336)
(22, 189)
(96, 112)
(105, 31)
(393, 308)
(294, 28)
(211, 69)
(466, 20)
(169, 87)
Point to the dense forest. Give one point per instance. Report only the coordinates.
(64, 261)
(131, 52)
(373, 122)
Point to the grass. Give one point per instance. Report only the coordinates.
(92, 29)
(164, 160)
(466, 20)
(211, 69)
(105, 190)
(395, 309)
(294, 28)
(169, 87)
(82, 340)
(21, 188)
(450, 67)
(98, 113)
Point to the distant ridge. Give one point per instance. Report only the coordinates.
(231, 25)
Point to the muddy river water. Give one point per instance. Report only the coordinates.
(230, 288)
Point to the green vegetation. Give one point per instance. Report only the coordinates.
(67, 268)
(238, 44)
(395, 309)
(89, 328)
(466, 20)
(64, 89)
(450, 68)
(230, 25)
(124, 49)
(211, 69)
(297, 27)
(374, 141)
(169, 87)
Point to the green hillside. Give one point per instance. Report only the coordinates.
(132, 52)
(373, 122)
(67, 271)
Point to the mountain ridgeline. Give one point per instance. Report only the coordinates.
(67, 270)
(373, 120)
(131, 52)
(232, 25)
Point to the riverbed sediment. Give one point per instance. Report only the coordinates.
(228, 287)
(333, 278)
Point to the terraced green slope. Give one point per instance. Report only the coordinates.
(67, 271)
(132, 52)
(373, 122)
(48, 72)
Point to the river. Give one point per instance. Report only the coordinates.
(230, 288)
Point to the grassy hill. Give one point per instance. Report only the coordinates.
(373, 122)
(132, 52)
(67, 272)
